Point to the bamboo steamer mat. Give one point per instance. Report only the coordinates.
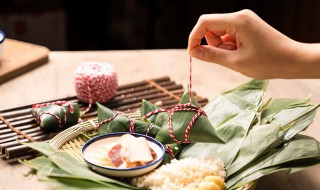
(162, 91)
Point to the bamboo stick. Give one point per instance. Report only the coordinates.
(28, 131)
(17, 143)
(16, 159)
(19, 137)
(141, 83)
(20, 150)
(136, 99)
(23, 127)
(18, 123)
(144, 92)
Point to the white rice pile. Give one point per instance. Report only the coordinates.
(179, 174)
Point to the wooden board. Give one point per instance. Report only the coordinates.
(20, 57)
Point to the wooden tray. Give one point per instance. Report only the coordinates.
(162, 91)
(20, 57)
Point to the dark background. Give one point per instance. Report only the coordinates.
(141, 24)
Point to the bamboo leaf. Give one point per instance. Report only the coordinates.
(36, 163)
(259, 140)
(71, 165)
(295, 120)
(246, 96)
(121, 123)
(231, 114)
(158, 119)
(42, 147)
(302, 149)
(267, 171)
(233, 131)
(276, 105)
(201, 130)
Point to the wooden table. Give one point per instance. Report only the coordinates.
(55, 80)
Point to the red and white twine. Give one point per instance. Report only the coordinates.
(180, 107)
(169, 150)
(95, 82)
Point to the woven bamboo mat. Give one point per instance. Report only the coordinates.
(162, 91)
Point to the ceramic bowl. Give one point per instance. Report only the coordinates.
(91, 146)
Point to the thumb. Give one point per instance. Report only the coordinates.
(212, 54)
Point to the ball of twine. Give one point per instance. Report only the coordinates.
(95, 82)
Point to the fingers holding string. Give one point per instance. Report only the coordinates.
(222, 40)
(210, 23)
(222, 56)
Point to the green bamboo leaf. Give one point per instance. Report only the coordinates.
(291, 122)
(201, 131)
(43, 173)
(267, 171)
(295, 120)
(232, 114)
(71, 165)
(121, 123)
(278, 104)
(302, 149)
(246, 96)
(233, 131)
(158, 119)
(176, 149)
(36, 163)
(259, 140)
(42, 147)
(186, 98)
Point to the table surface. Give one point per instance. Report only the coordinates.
(55, 80)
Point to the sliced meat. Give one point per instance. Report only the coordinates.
(114, 155)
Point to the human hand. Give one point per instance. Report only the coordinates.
(245, 43)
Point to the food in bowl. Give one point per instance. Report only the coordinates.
(128, 152)
(123, 154)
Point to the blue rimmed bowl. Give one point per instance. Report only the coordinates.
(93, 145)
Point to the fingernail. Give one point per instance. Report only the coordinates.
(196, 52)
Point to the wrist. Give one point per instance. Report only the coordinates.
(308, 60)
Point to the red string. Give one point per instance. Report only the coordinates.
(149, 128)
(61, 103)
(169, 150)
(180, 107)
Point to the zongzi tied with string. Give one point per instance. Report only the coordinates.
(55, 115)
